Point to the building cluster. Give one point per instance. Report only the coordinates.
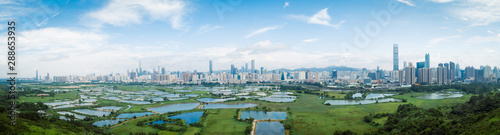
(418, 73)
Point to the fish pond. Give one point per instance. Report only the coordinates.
(131, 115)
(269, 128)
(262, 115)
(223, 106)
(174, 107)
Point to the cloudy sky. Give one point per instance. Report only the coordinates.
(69, 37)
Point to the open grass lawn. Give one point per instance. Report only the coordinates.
(337, 95)
(426, 103)
(192, 131)
(223, 122)
(72, 95)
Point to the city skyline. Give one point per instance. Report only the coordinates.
(84, 37)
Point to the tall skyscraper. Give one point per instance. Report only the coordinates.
(36, 79)
(253, 67)
(479, 76)
(419, 66)
(424, 75)
(334, 74)
(246, 67)
(396, 57)
(469, 72)
(404, 64)
(452, 71)
(447, 66)
(233, 70)
(210, 70)
(427, 61)
(401, 77)
(140, 69)
(410, 74)
(442, 74)
(261, 70)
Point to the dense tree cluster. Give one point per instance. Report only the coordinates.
(29, 121)
(480, 115)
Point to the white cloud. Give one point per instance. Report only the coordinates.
(265, 29)
(488, 50)
(407, 2)
(207, 27)
(126, 12)
(491, 32)
(321, 18)
(442, 1)
(442, 39)
(478, 12)
(286, 5)
(480, 39)
(310, 40)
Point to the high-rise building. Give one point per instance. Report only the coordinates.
(36, 79)
(442, 74)
(140, 69)
(447, 66)
(163, 71)
(233, 70)
(395, 57)
(452, 71)
(253, 66)
(334, 74)
(372, 76)
(427, 61)
(246, 67)
(210, 67)
(479, 76)
(427, 75)
(261, 70)
(410, 74)
(419, 66)
(469, 72)
(404, 64)
(401, 77)
(488, 72)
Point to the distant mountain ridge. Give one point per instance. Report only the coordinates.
(329, 69)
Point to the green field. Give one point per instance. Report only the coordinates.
(222, 121)
(71, 95)
(309, 114)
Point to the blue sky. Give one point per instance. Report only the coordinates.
(67, 37)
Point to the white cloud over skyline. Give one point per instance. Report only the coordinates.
(407, 2)
(128, 12)
(321, 18)
(263, 30)
(152, 31)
